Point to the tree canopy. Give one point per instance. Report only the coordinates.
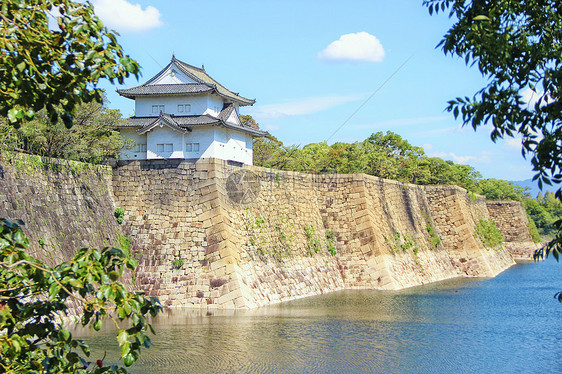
(91, 139)
(34, 297)
(386, 155)
(55, 66)
(46, 72)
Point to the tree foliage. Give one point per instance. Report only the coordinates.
(497, 189)
(91, 139)
(517, 46)
(545, 210)
(386, 155)
(55, 67)
(33, 297)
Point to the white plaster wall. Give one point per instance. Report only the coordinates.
(164, 135)
(130, 154)
(173, 75)
(214, 142)
(205, 137)
(214, 102)
(233, 118)
(231, 145)
(143, 105)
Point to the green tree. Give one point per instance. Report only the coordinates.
(392, 157)
(517, 46)
(91, 139)
(58, 67)
(249, 121)
(495, 189)
(268, 151)
(34, 296)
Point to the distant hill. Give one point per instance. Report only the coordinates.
(533, 187)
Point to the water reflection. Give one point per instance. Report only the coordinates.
(485, 325)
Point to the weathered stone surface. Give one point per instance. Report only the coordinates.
(198, 248)
(267, 255)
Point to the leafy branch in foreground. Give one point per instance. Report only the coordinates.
(34, 297)
(55, 66)
(517, 47)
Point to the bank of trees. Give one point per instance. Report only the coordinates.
(91, 138)
(385, 155)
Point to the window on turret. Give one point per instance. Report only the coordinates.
(156, 109)
(192, 147)
(140, 148)
(160, 148)
(184, 108)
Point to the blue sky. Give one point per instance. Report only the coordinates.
(311, 64)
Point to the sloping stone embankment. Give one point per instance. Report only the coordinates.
(219, 235)
(207, 233)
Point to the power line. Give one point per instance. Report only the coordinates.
(370, 97)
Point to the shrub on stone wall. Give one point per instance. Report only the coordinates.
(488, 233)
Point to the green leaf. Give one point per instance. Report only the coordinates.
(54, 290)
(76, 283)
(481, 18)
(129, 359)
(64, 335)
(113, 275)
(123, 337)
(13, 115)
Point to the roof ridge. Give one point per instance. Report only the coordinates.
(185, 63)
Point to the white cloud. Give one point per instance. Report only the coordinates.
(359, 47)
(270, 127)
(299, 107)
(452, 156)
(127, 17)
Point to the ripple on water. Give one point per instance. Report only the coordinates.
(486, 325)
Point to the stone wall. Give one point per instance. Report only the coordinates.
(65, 205)
(511, 219)
(215, 234)
(207, 233)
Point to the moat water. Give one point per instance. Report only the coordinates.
(507, 324)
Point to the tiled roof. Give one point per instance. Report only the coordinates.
(164, 89)
(202, 76)
(197, 74)
(180, 120)
(226, 112)
(164, 119)
(144, 124)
